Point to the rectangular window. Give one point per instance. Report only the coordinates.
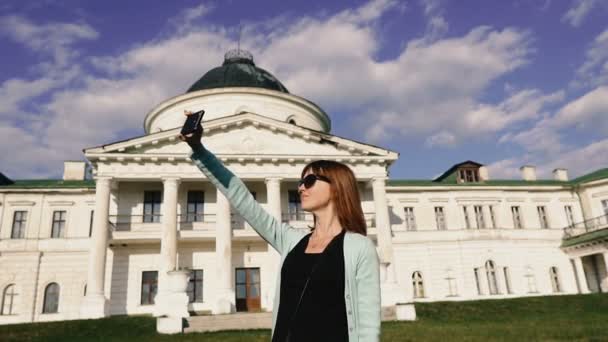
(569, 215)
(152, 201)
(492, 216)
(149, 287)
(505, 271)
(467, 220)
(542, 216)
(478, 281)
(605, 206)
(195, 286)
(440, 218)
(481, 223)
(91, 223)
(194, 210)
(19, 221)
(294, 210)
(410, 219)
(517, 224)
(58, 228)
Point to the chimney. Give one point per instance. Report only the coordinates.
(483, 174)
(560, 175)
(74, 170)
(528, 172)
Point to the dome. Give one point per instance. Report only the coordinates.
(238, 70)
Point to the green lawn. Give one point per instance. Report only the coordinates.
(565, 318)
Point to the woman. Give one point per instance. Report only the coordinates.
(328, 288)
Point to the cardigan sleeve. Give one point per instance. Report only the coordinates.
(277, 234)
(368, 294)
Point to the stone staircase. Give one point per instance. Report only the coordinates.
(236, 321)
(246, 320)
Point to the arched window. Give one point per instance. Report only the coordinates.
(554, 279)
(51, 298)
(491, 275)
(9, 300)
(418, 285)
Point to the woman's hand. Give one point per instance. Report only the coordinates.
(193, 139)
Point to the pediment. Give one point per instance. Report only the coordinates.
(245, 135)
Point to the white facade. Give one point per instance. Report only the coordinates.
(102, 240)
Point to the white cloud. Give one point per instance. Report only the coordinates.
(437, 25)
(579, 10)
(54, 38)
(443, 138)
(588, 112)
(594, 70)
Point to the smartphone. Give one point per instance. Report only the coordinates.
(192, 122)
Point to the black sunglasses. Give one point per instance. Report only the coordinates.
(310, 180)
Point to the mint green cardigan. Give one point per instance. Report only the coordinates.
(361, 267)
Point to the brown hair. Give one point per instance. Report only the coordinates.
(344, 192)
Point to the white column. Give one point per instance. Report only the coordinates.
(223, 253)
(383, 227)
(273, 191)
(168, 243)
(95, 304)
(580, 273)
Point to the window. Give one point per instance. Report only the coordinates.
(194, 210)
(91, 223)
(605, 206)
(418, 285)
(542, 216)
(491, 276)
(478, 280)
(294, 211)
(149, 286)
(440, 218)
(517, 224)
(8, 300)
(410, 219)
(468, 175)
(492, 217)
(531, 280)
(467, 221)
(452, 286)
(19, 221)
(58, 228)
(51, 298)
(481, 223)
(195, 286)
(152, 200)
(555, 279)
(505, 271)
(569, 215)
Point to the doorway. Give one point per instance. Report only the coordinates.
(248, 290)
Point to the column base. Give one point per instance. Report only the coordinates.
(169, 325)
(405, 312)
(224, 303)
(94, 306)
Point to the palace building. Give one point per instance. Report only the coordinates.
(89, 247)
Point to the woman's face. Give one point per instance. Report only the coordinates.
(315, 197)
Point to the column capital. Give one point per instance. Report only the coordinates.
(273, 180)
(378, 181)
(171, 179)
(104, 180)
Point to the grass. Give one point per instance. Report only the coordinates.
(556, 318)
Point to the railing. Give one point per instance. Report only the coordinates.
(587, 226)
(129, 222)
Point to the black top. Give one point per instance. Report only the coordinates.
(322, 313)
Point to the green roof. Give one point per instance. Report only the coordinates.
(238, 70)
(49, 184)
(598, 234)
(590, 177)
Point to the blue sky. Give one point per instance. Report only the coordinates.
(503, 83)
